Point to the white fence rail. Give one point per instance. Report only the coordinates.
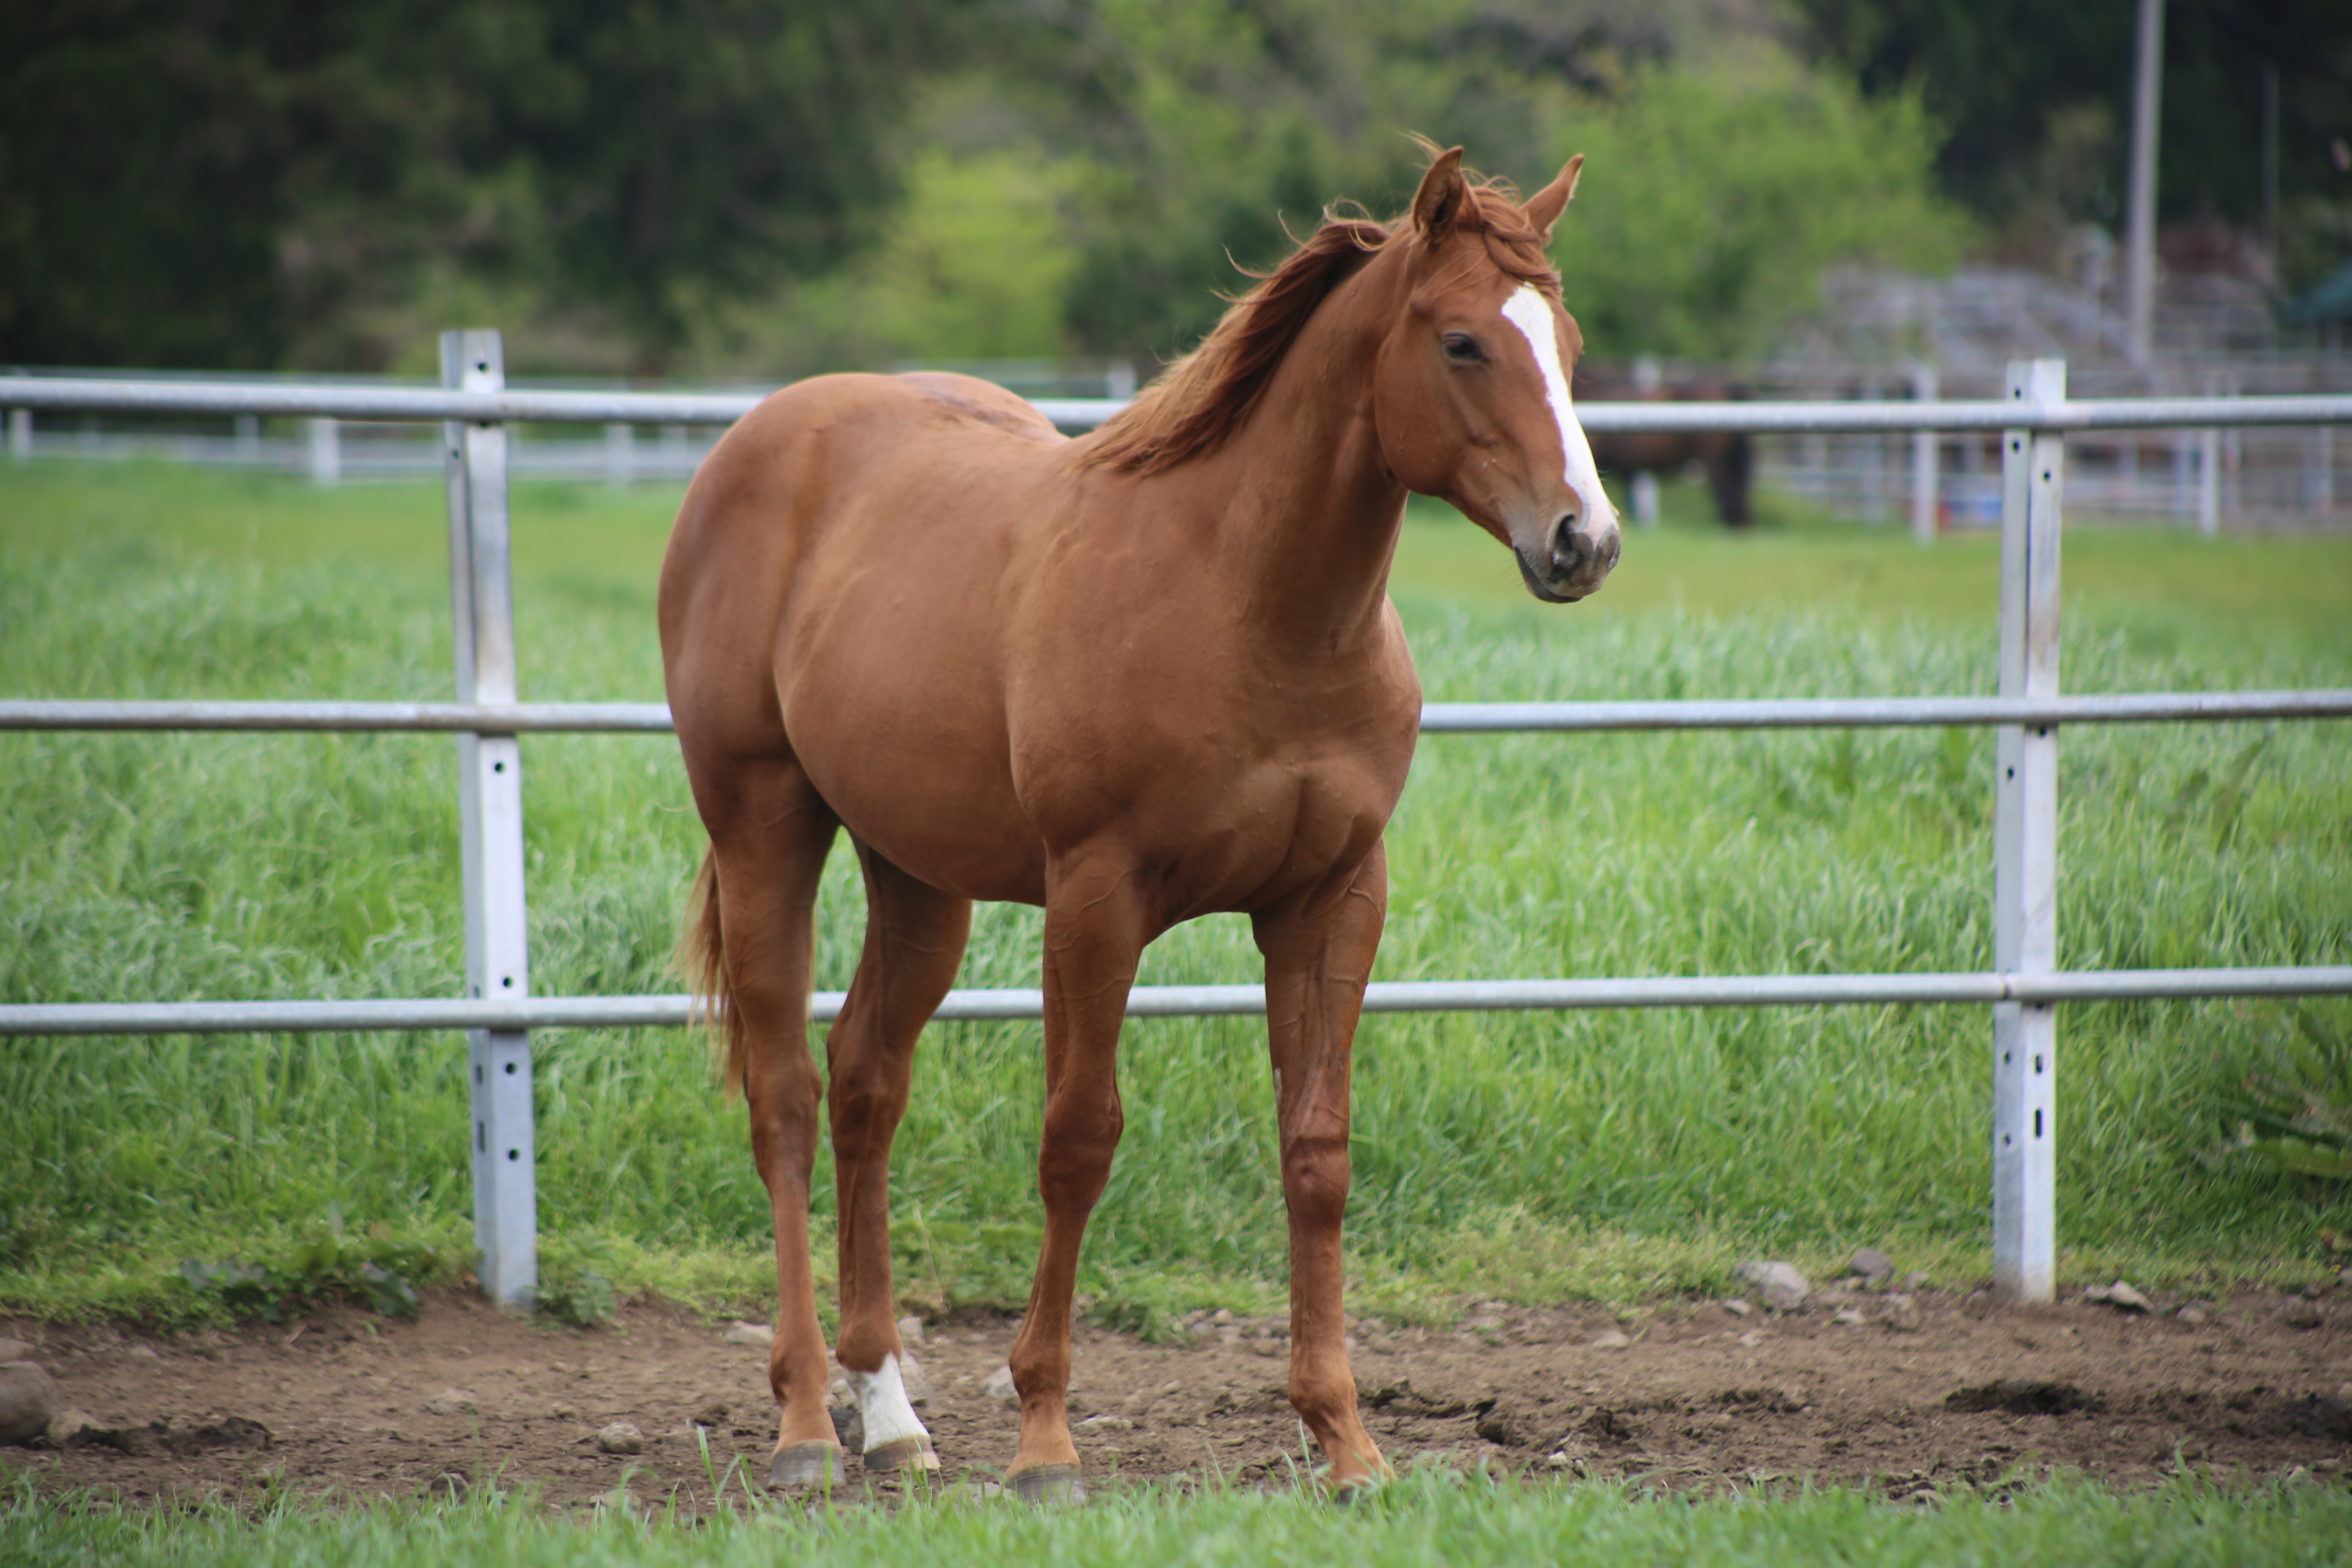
(2032, 422)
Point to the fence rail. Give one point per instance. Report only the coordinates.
(475, 407)
(1017, 1002)
(1436, 717)
(418, 405)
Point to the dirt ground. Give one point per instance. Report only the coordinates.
(1952, 1390)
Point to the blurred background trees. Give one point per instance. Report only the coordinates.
(768, 187)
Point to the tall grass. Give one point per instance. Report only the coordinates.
(1515, 1155)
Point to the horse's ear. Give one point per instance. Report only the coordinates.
(1545, 206)
(1442, 196)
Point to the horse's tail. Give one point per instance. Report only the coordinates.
(701, 961)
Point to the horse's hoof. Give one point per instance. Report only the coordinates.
(903, 1454)
(1359, 1489)
(1048, 1484)
(806, 1465)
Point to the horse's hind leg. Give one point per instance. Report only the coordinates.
(915, 938)
(770, 832)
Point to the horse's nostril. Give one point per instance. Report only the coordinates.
(1609, 552)
(1570, 548)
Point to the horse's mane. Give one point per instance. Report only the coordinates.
(1192, 405)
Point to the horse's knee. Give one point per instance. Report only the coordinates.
(1074, 1154)
(1314, 1177)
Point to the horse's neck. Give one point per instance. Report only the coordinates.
(1307, 511)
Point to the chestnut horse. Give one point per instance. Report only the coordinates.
(1139, 676)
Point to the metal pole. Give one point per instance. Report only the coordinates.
(2271, 167)
(2208, 481)
(1923, 459)
(326, 452)
(20, 434)
(620, 460)
(2139, 270)
(489, 793)
(2025, 851)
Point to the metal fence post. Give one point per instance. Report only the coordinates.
(490, 793)
(1924, 459)
(2025, 850)
(326, 452)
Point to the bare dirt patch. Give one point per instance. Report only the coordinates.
(1696, 1395)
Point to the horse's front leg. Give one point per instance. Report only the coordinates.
(1319, 955)
(1095, 933)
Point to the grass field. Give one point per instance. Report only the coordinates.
(1423, 1519)
(1523, 1157)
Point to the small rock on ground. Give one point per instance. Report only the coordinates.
(1138, 1405)
(910, 1330)
(1737, 1307)
(1871, 1264)
(15, 1350)
(451, 1402)
(2120, 1296)
(29, 1401)
(1902, 1313)
(1783, 1289)
(998, 1385)
(621, 1438)
(67, 1424)
(759, 1334)
(918, 1381)
(1612, 1340)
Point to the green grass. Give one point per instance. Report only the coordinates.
(1532, 1156)
(1425, 1519)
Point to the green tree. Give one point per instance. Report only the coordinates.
(1715, 196)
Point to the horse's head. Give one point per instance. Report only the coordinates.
(1472, 393)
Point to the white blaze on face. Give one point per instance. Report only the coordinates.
(882, 1402)
(1529, 310)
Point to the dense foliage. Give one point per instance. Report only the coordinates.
(770, 189)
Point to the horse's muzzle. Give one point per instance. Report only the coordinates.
(1574, 562)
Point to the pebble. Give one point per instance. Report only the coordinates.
(1093, 1423)
(1915, 1280)
(621, 1438)
(2192, 1313)
(1138, 1405)
(1902, 1313)
(1871, 1264)
(1783, 1289)
(1751, 1339)
(67, 1425)
(15, 1350)
(1612, 1340)
(1484, 1322)
(910, 1330)
(1737, 1307)
(1847, 1317)
(759, 1334)
(29, 1401)
(998, 1385)
(2120, 1296)
(2302, 1315)
(451, 1402)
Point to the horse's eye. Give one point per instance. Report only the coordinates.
(1463, 348)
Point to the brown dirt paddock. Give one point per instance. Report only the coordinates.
(1698, 1396)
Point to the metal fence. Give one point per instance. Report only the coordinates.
(2032, 423)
